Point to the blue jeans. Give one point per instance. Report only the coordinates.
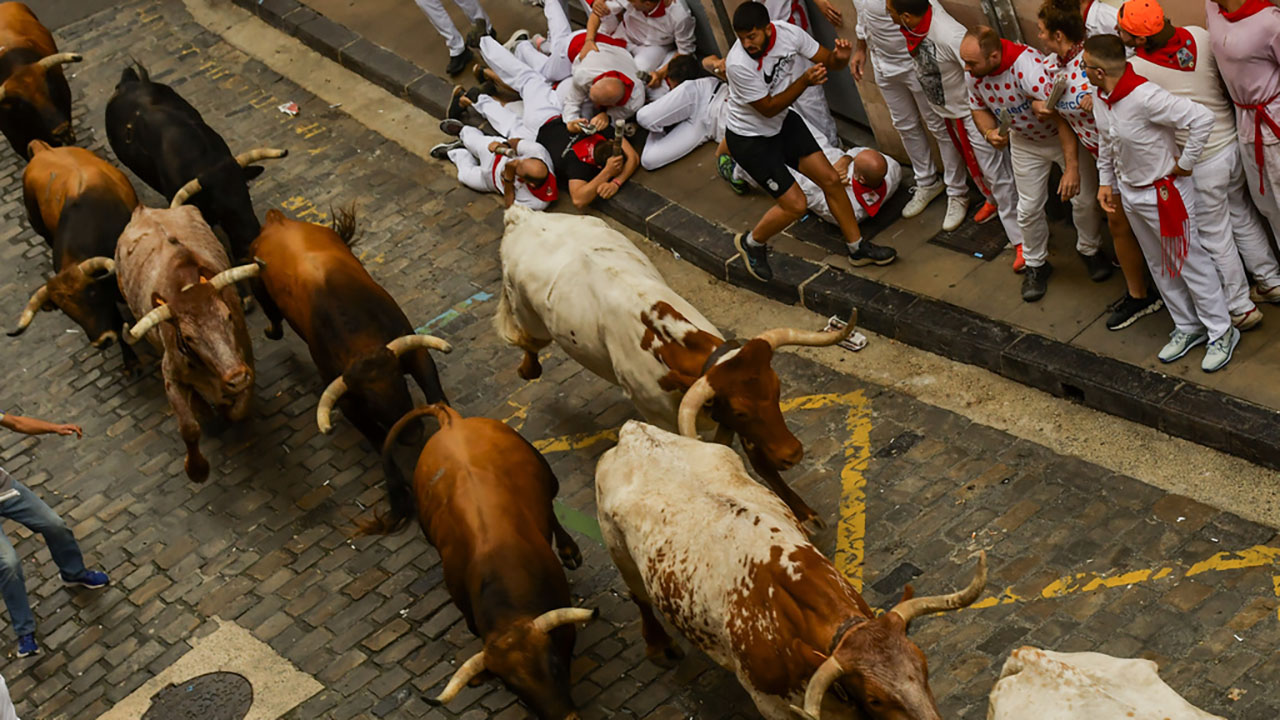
(31, 511)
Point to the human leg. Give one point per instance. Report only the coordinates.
(470, 172)
(900, 93)
(13, 586)
(1248, 229)
(474, 12)
(529, 55)
(1031, 164)
(504, 121)
(31, 511)
(997, 173)
(559, 33)
(665, 147)
(1212, 180)
(1263, 186)
(443, 24)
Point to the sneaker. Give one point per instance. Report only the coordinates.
(455, 110)
(478, 72)
(725, 165)
(957, 209)
(441, 151)
(1246, 320)
(921, 196)
(458, 63)
(92, 579)
(755, 258)
(1099, 266)
(452, 126)
(1180, 344)
(1218, 354)
(1036, 282)
(516, 37)
(1019, 264)
(869, 253)
(1127, 310)
(27, 645)
(1271, 295)
(985, 213)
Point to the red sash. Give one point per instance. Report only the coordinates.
(627, 84)
(917, 34)
(1261, 117)
(1178, 54)
(799, 15)
(1174, 229)
(1250, 7)
(575, 45)
(960, 138)
(864, 195)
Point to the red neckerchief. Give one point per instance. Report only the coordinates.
(548, 191)
(658, 11)
(1173, 225)
(773, 38)
(862, 194)
(1065, 60)
(1178, 54)
(1009, 52)
(627, 83)
(1128, 81)
(917, 34)
(575, 45)
(1250, 8)
(585, 148)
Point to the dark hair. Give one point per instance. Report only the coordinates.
(684, 67)
(1108, 49)
(1063, 16)
(911, 7)
(751, 16)
(601, 153)
(988, 39)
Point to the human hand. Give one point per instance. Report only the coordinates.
(842, 167)
(588, 47)
(1042, 110)
(656, 77)
(68, 429)
(1107, 199)
(493, 146)
(1069, 187)
(600, 121)
(858, 62)
(607, 190)
(600, 9)
(815, 75)
(995, 139)
(1180, 172)
(614, 166)
(829, 11)
(574, 126)
(842, 51)
(1086, 103)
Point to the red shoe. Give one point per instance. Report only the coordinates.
(985, 213)
(1018, 263)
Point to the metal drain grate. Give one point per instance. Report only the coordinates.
(214, 696)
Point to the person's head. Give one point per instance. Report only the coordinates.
(752, 26)
(683, 67)
(869, 168)
(1140, 22)
(601, 153)
(907, 13)
(980, 51)
(645, 6)
(532, 170)
(1104, 60)
(607, 92)
(1061, 26)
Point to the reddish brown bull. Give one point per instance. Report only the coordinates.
(484, 501)
(35, 100)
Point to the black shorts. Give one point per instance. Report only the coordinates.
(766, 159)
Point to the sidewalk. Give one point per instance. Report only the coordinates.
(933, 297)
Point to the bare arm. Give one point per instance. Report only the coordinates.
(771, 105)
(1069, 187)
(34, 426)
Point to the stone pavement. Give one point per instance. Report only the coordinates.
(1080, 558)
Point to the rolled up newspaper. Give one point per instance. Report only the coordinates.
(1006, 121)
(1059, 87)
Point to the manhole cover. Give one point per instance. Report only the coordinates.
(215, 696)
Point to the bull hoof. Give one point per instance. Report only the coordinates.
(197, 470)
(813, 526)
(273, 332)
(571, 557)
(667, 656)
(530, 368)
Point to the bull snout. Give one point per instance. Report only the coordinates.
(786, 455)
(238, 381)
(106, 339)
(64, 135)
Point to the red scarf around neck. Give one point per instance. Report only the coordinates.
(627, 83)
(869, 198)
(1178, 54)
(773, 38)
(1128, 81)
(1250, 8)
(546, 191)
(1009, 52)
(917, 34)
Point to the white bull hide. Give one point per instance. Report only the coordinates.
(1048, 685)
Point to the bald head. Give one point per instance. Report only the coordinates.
(870, 167)
(532, 170)
(980, 51)
(607, 92)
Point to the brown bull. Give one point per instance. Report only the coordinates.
(484, 501)
(35, 101)
(79, 203)
(176, 278)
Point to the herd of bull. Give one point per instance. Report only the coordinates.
(727, 562)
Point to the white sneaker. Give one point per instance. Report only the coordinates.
(516, 37)
(1219, 352)
(1247, 320)
(1271, 295)
(1180, 344)
(920, 199)
(957, 209)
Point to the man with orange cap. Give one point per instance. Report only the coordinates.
(1180, 59)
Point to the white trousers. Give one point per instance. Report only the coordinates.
(1229, 225)
(995, 169)
(908, 108)
(678, 122)
(1194, 298)
(443, 24)
(555, 64)
(1264, 197)
(1032, 162)
(473, 161)
(541, 103)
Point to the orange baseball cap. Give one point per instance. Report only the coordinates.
(1142, 18)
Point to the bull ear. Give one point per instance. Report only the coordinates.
(252, 171)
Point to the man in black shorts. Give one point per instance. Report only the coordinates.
(766, 137)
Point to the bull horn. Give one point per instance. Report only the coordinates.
(38, 299)
(98, 264)
(552, 619)
(50, 62)
(327, 401)
(252, 156)
(184, 193)
(471, 668)
(915, 607)
(235, 275)
(779, 337)
(148, 321)
(698, 395)
(404, 344)
(826, 674)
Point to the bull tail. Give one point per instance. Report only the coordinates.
(135, 73)
(400, 490)
(344, 223)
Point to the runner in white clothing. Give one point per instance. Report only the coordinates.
(870, 178)
(655, 30)
(1139, 156)
(483, 166)
(608, 79)
(692, 113)
(812, 103)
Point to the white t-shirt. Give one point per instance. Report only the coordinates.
(752, 79)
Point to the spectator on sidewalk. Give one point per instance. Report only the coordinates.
(24, 506)
(766, 138)
(1139, 157)
(880, 41)
(459, 53)
(1180, 60)
(656, 31)
(1007, 78)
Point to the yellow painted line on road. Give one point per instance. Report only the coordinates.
(1276, 580)
(852, 529)
(581, 441)
(1256, 556)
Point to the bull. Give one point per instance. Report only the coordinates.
(728, 565)
(359, 338)
(164, 140)
(79, 203)
(484, 501)
(574, 280)
(35, 100)
(176, 278)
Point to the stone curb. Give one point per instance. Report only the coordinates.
(1145, 396)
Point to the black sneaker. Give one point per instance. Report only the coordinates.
(452, 126)
(1035, 282)
(458, 63)
(1100, 268)
(455, 109)
(441, 151)
(1127, 310)
(474, 94)
(755, 258)
(869, 253)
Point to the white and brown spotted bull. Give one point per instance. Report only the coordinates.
(574, 280)
(728, 565)
(35, 101)
(175, 277)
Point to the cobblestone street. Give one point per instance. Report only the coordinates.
(1081, 558)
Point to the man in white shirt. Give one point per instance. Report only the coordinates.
(693, 112)
(607, 79)
(655, 30)
(812, 103)
(870, 178)
(767, 139)
(490, 165)
(1006, 78)
(1139, 156)
(1180, 59)
(880, 40)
